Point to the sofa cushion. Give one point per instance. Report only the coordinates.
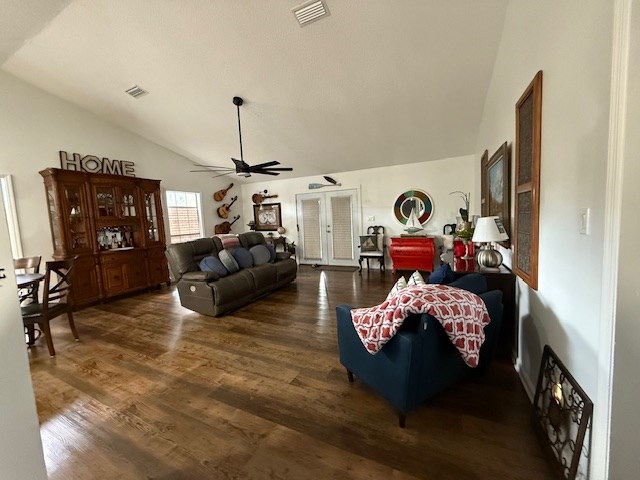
(282, 256)
(243, 257)
(286, 270)
(260, 254)
(213, 264)
(228, 261)
(264, 277)
(272, 251)
(234, 289)
(442, 275)
(202, 276)
(473, 282)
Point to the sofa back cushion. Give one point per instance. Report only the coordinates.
(250, 239)
(261, 254)
(213, 264)
(243, 257)
(228, 261)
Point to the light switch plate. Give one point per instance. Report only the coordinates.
(371, 219)
(585, 221)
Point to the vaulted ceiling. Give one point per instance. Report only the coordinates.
(375, 83)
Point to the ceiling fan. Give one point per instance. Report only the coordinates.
(242, 168)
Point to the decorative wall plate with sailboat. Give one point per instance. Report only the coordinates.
(413, 209)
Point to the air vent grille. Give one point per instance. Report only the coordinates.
(310, 12)
(136, 91)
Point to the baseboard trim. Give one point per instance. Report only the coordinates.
(527, 383)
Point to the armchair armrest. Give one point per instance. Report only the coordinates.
(200, 276)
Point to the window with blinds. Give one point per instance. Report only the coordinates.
(185, 218)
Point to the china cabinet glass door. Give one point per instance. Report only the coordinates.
(77, 217)
(105, 201)
(151, 213)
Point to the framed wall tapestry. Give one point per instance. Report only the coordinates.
(267, 217)
(527, 182)
(496, 187)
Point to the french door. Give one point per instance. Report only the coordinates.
(327, 226)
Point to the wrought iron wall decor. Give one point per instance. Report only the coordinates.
(561, 414)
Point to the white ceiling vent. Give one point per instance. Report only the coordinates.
(136, 91)
(311, 11)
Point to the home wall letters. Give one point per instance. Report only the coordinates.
(93, 164)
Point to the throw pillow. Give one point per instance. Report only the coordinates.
(229, 240)
(243, 257)
(401, 284)
(442, 275)
(272, 252)
(368, 243)
(415, 279)
(261, 254)
(213, 264)
(228, 261)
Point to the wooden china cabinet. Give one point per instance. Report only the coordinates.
(113, 224)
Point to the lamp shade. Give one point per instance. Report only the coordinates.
(489, 229)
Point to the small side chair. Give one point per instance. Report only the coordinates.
(372, 246)
(57, 300)
(28, 265)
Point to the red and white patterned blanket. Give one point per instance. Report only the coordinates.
(462, 314)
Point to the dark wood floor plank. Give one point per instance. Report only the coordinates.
(153, 390)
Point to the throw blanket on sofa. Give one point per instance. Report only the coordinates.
(462, 314)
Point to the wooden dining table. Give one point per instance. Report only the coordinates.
(28, 284)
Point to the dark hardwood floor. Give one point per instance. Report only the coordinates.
(155, 391)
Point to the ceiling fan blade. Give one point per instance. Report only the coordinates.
(271, 169)
(267, 164)
(219, 169)
(267, 172)
(223, 174)
(241, 165)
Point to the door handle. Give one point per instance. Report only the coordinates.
(2, 275)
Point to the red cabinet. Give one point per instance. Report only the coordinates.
(412, 253)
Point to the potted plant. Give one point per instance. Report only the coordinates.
(291, 247)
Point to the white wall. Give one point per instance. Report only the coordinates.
(625, 424)
(571, 43)
(378, 189)
(35, 125)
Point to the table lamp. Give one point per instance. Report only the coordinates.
(488, 230)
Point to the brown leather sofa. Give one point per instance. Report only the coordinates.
(210, 294)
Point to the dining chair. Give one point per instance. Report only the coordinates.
(28, 265)
(57, 300)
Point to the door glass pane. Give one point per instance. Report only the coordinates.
(127, 202)
(311, 231)
(341, 227)
(105, 199)
(53, 215)
(77, 217)
(152, 216)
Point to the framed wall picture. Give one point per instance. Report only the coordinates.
(527, 182)
(496, 187)
(267, 217)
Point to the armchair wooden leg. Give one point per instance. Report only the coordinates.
(73, 326)
(360, 263)
(350, 376)
(402, 418)
(44, 325)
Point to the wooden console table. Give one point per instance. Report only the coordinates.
(498, 279)
(412, 253)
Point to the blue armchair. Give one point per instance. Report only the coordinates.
(419, 361)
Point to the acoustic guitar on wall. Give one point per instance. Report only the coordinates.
(258, 198)
(220, 194)
(223, 211)
(225, 227)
